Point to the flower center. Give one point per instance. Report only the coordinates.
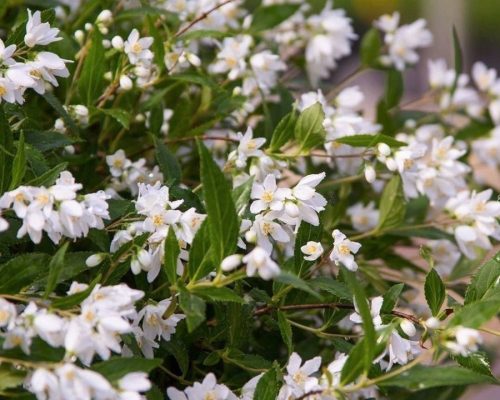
(136, 47)
(344, 250)
(158, 220)
(267, 228)
(2, 90)
(267, 196)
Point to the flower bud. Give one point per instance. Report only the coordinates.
(432, 323)
(106, 43)
(291, 209)
(59, 125)
(370, 173)
(391, 164)
(88, 27)
(94, 260)
(79, 36)
(408, 327)
(126, 83)
(135, 266)
(117, 43)
(250, 236)
(105, 17)
(231, 262)
(108, 75)
(139, 118)
(144, 258)
(383, 149)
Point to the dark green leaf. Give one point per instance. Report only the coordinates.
(90, 83)
(58, 107)
(116, 367)
(49, 177)
(284, 131)
(172, 251)
(217, 294)
(6, 147)
(393, 88)
(119, 115)
(193, 307)
(296, 282)
(19, 164)
(309, 130)
(355, 363)
(241, 196)
(286, 331)
(369, 140)
(477, 362)
(77, 298)
(21, 271)
(55, 267)
(391, 297)
(268, 386)
(370, 48)
(473, 315)
(306, 233)
(392, 205)
(458, 58)
(267, 17)
(435, 292)
(200, 263)
(169, 165)
(332, 286)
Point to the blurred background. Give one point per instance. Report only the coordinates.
(478, 27)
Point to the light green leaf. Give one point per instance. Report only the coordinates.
(241, 196)
(119, 115)
(369, 140)
(435, 291)
(309, 130)
(370, 48)
(267, 17)
(284, 131)
(55, 268)
(485, 282)
(355, 363)
(49, 177)
(169, 165)
(213, 293)
(172, 251)
(296, 282)
(116, 367)
(392, 205)
(223, 223)
(268, 386)
(477, 362)
(91, 80)
(332, 286)
(391, 297)
(475, 314)
(10, 377)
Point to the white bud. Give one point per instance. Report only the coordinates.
(106, 43)
(236, 91)
(59, 125)
(291, 209)
(391, 164)
(70, 149)
(117, 42)
(250, 236)
(79, 36)
(144, 258)
(88, 27)
(94, 260)
(81, 110)
(105, 17)
(408, 327)
(108, 75)
(370, 173)
(125, 82)
(139, 118)
(384, 149)
(135, 266)
(432, 323)
(193, 59)
(104, 30)
(231, 262)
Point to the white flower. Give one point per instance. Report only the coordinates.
(483, 76)
(298, 377)
(248, 147)
(266, 227)
(376, 305)
(94, 260)
(7, 90)
(8, 314)
(231, 262)
(231, 57)
(6, 53)
(408, 327)
(343, 249)
(267, 195)
(445, 255)
(363, 218)
(312, 250)
(466, 341)
(207, 389)
(265, 66)
(401, 350)
(137, 49)
(258, 262)
(38, 32)
(134, 382)
(154, 325)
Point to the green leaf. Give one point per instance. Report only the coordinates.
(473, 315)
(193, 307)
(485, 282)
(477, 362)
(364, 310)
(172, 251)
(286, 331)
(241, 196)
(284, 131)
(425, 376)
(91, 80)
(268, 386)
(58, 107)
(392, 205)
(435, 291)
(252, 362)
(55, 267)
(10, 377)
(332, 286)
(49, 177)
(116, 367)
(458, 58)
(267, 17)
(370, 48)
(306, 233)
(296, 282)
(355, 363)
(223, 222)
(19, 164)
(213, 293)
(169, 165)
(21, 271)
(47, 140)
(309, 130)
(6, 146)
(119, 115)
(393, 88)
(200, 263)
(391, 297)
(369, 140)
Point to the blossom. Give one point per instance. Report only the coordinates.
(363, 218)
(231, 58)
(258, 262)
(265, 66)
(298, 378)
(38, 32)
(137, 48)
(376, 305)
(312, 250)
(267, 195)
(466, 341)
(207, 389)
(343, 249)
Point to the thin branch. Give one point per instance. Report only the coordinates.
(201, 18)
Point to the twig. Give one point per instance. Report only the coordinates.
(201, 18)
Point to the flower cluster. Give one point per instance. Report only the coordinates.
(27, 68)
(56, 210)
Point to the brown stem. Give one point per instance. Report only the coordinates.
(201, 18)
(317, 306)
(306, 395)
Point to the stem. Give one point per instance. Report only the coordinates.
(201, 18)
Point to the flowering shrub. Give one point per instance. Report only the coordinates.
(184, 214)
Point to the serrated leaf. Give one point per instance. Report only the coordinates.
(119, 115)
(369, 140)
(392, 205)
(309, 131)
(435, 291)
(485, 282)
(330, 285)
(223, 222)
(251, 362)
(172, 251)
(194, 308)
(474, 315)
(296, 282)
(217, 294)
(200, 263)
(284, 131)
(286, 331)
(268, 386)
(267, 17)
(90, 83)
(55, 268)
(169, 165)
(355, 363)
(18, 164)
(477, 362)
(391, 297)
(370, 48)
(21, 271)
